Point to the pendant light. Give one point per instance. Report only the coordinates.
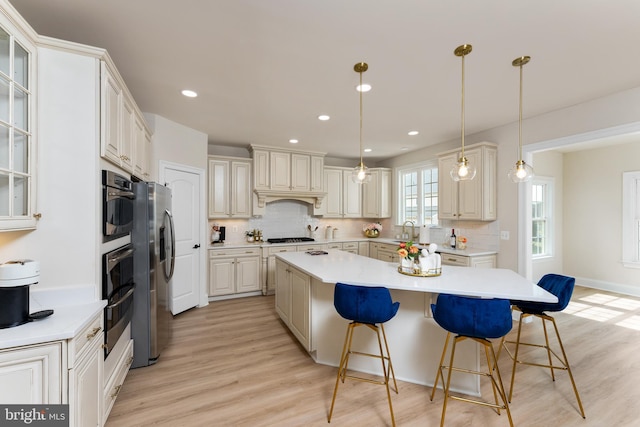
(361, 174)
(463, 170)
(520, 172)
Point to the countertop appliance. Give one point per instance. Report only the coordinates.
(15, 279)
(153, 240)
(218, 234)
(291, 240)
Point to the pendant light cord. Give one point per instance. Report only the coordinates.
(361, 160)
(462, 114)
(520, 119)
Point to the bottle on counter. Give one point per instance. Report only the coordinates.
(452, 239)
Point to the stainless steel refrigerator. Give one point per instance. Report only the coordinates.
(153, 240)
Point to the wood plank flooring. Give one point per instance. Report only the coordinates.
(233, 363)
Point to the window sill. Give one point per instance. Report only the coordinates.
(631, 264)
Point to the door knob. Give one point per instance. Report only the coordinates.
(196, 246)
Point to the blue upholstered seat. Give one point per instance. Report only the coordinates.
(364, 304)
(473, 317)
(370, 307)
(558, 285)
(561, 287)
(478, 320)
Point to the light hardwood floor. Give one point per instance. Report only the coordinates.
(233, 363)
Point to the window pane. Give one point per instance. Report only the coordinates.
(20, 152)
(4, 99)
(20, 109)
(4, 195)
(21, 66)
(4, 147)
(4, 51)
(20, 196)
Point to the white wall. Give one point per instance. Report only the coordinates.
(176, 143)
(66, 240)
(593, 213)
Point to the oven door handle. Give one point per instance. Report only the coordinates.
(113, 193)
(116, 258)
(124, 297)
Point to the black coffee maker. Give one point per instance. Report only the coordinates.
(218, 234)
(15, 279)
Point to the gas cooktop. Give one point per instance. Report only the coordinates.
(291, 240)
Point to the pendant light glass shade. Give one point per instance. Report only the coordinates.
(521, 171)
(463, 170)
(360, 174)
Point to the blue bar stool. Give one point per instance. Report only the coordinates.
(561, 287)
(476, 319)
(370, 307)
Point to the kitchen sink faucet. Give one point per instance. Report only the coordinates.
(413, 229)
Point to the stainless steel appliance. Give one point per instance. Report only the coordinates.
(153, 240)
(118, 288)
(117, 210)
(15, 278)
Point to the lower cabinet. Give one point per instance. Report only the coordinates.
(35, 374)
(383, 251)
(69, 371)
(293, 303)
(484, 261)
(234, 271)
(113, 383)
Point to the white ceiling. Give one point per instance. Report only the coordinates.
(265, 69)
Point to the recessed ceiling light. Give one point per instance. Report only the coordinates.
(293, 141)
(323, 117)
(366, 87)
(367, 150)
(413, 132)
(189, 93)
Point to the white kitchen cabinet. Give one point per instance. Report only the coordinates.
(234, 271)
(114, 382)
(482, 261)
(293, 302)
(363, 249)
(229, 187)
(281, 174)
(269, 255)
(383, 251)
(142, 147)
(35, 374)
(376, 196)
(18, 118)
(304, 247)
(469, 200)
(119, 119)
(344, 197)
(86, 365)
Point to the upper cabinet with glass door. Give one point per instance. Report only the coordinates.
(17, 144)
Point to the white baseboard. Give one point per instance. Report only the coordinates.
(609, 286)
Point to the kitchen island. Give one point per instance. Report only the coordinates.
(304, 301)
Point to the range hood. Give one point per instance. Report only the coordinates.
(314, 198)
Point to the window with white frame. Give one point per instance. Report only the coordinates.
(418, 194)
(631, 219)
(541, 217)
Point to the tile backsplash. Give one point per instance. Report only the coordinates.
(290, 218)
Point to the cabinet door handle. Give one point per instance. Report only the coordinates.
(93, 333)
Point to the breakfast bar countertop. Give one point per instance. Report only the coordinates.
(339, 266)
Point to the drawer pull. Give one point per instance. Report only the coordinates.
(93, 333)
(116, 391)
(130, 361)
(452, 259)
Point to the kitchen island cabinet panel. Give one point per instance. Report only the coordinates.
(293, 303)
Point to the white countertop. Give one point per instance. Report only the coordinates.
(344, 267)
(470, 252)
(73, 309)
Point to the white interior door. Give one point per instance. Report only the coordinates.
(186, 206)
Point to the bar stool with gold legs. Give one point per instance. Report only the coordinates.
(370, 307)
(561, 287)
(478, 320)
